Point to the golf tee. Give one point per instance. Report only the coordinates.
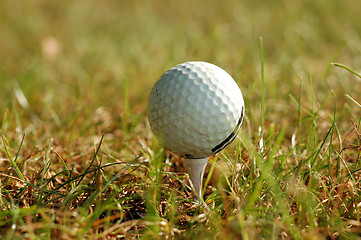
(196, 169)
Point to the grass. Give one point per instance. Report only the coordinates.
(77, 156)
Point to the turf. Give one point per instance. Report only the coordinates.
(77, 156)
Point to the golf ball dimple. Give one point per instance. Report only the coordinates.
(195, 109)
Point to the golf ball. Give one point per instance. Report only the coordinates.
(195, 109)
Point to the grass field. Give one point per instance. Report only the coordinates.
(77, 156)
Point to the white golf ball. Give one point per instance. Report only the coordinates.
(195, 109)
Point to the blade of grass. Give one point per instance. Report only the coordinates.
(257, 187)
(322, 144)
(299, 107)
(353, 100)
(4, 121)
(16, 157)
(13, 163)
(313, 114)
(330, 148)
(278, 141)
(263, 103)
(346, 68)
(44, 170)
(338, 167)
(91, 163)
(126, 105)
(65, 166)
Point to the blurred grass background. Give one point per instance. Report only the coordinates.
(71, 58)
(74, 70)
(71, 55)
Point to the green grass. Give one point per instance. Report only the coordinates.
(77, 156)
